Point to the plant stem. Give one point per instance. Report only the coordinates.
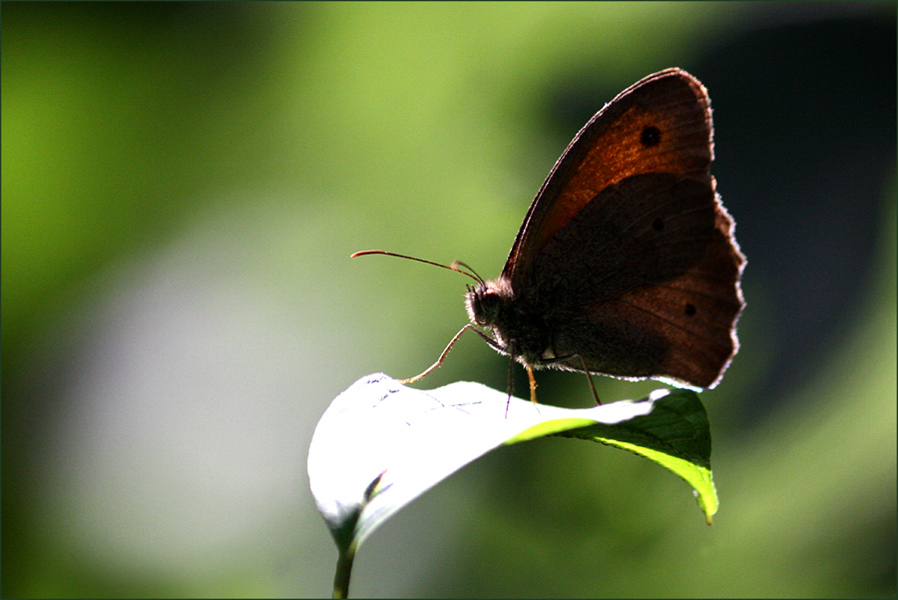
(344, 570)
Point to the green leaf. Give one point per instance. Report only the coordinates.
(381, 444)
(675, 435)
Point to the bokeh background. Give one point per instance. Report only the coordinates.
(182, 185)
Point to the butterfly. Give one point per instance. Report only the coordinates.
(626, 263)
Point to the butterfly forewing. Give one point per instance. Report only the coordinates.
(660, 124)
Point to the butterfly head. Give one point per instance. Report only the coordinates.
(487, 302)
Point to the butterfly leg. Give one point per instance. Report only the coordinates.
(510, 383)
(440, 359)
(589, 379)
(446, 351)
(532, 384)
(565, 358)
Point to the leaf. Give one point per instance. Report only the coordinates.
(381, 444)
(677, 435)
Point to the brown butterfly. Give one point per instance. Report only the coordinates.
(626, 264)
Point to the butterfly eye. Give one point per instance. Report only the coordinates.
(485, 306)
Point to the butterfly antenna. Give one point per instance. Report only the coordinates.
(470, 272)
(453, 267)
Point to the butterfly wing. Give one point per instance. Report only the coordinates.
(660, 124)
(627, 252)
(649, 286)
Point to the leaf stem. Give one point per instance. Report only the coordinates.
(344, 571)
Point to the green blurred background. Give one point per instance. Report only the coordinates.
(182, 185)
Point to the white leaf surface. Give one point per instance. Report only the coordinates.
(381, 444)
